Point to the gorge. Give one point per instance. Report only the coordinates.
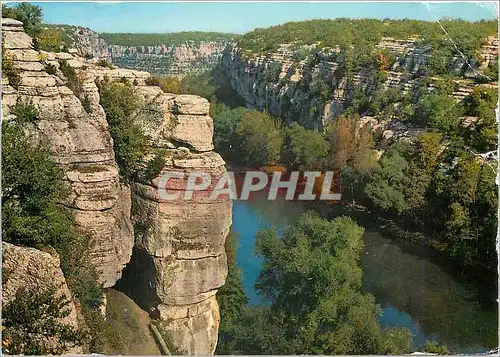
(402, 112)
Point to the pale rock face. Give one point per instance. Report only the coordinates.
(180, 257)
(289, 98)
(33, 269)
(81, 144)
(181, 254)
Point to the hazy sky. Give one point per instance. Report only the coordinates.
(243, 16)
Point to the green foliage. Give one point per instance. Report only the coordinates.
(434, 347)
(226, 121)
(33, 317)
(198, 84)
(33, 188)
(8, 70)
(438, 111)
(49, 39)
(482, 103)
(312, 277)
(305, 149)
(72, 80)
(104, 63)
(365, 33)
(386, 189)
(168, 84)
(50, 68)
(154, 167)
(30, 15)
(25, 112)
(120, 103)
(261, 138)
(172, 39)
(232, 303)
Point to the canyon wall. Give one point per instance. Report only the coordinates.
(178, 253)
(178, 59)
(79, 141)
(289, 85)
(165, 59)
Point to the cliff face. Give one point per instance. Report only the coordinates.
(179, 259)
(79, 141)
(290, 87)
(166, 59)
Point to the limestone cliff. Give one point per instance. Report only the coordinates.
(179, 261)
(167, 59)
(290, 84)
(80, 142)
(172, 57)
(179, 258)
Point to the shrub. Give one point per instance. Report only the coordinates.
(50, 69)
(72, 80)
(154, 167)
(32, 317)
(49, 39)
(9, 71)
(32, 189)
(120, 103)
(104, 63)
(25, 112)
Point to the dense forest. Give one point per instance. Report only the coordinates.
(170, 39)
(365, 33)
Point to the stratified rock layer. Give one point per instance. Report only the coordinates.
(180, 254)
(80, 142)
(179, 259)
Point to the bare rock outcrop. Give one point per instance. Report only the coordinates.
(80, 142)
(179, 260)
(32, 269)
(180, 253)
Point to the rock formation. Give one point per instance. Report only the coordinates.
(177, 59)
(167, 59)
(80, 142)
(287, 84)
(179, 259)
(32, 269)
(179, 255)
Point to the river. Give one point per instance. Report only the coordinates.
(414, 290)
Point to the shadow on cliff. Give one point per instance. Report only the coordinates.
(137, 281)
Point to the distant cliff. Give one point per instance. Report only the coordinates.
(302, 73)
(165, 54)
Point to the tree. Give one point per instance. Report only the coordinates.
(30, 15)
(33, 324)
(351, 153)
(438, 111)
(423, 165)
(226, 121)
(232, 302)
(260, 137)
(387, 186)
(50, 39)
(313, 279)
(307, 149)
